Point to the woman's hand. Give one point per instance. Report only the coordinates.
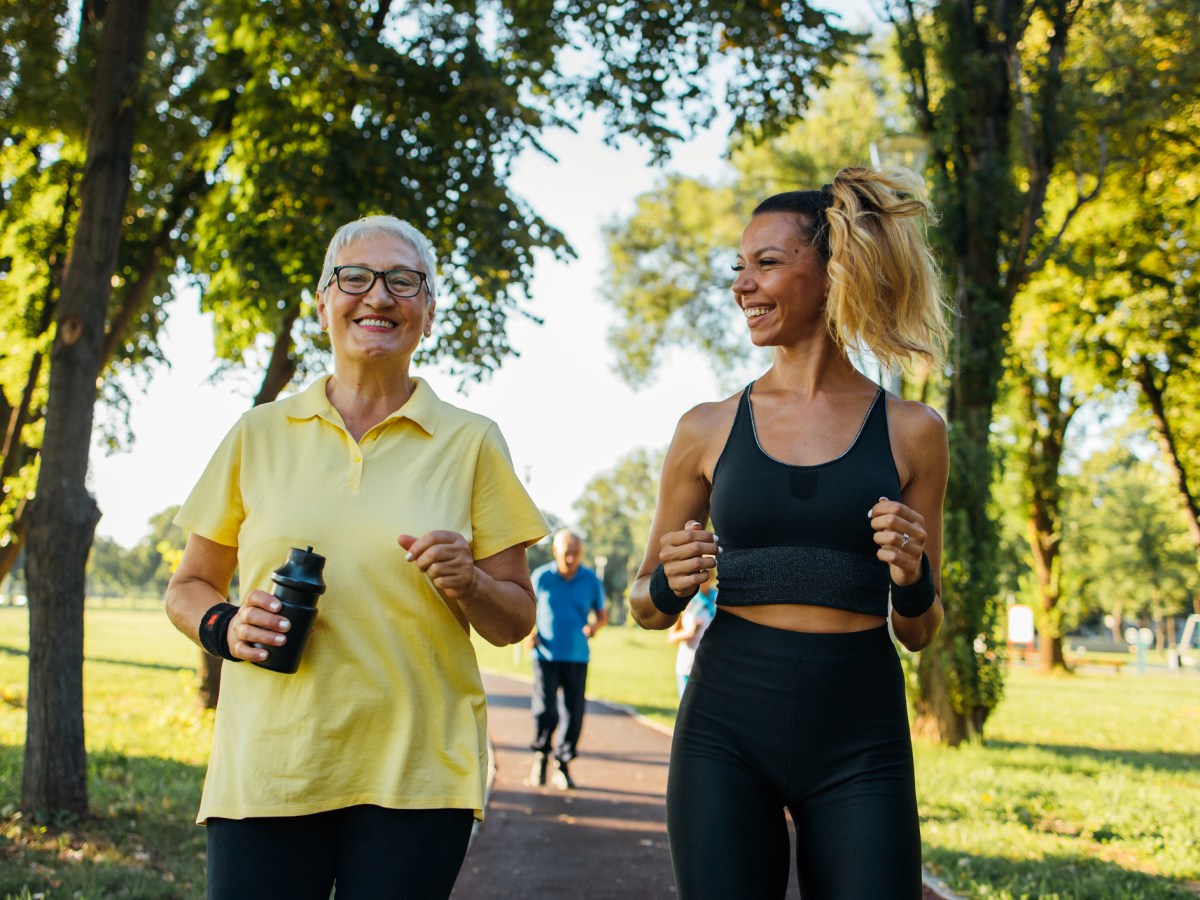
(900, 534)
(257, 622)
(686, 557)
(445, 558)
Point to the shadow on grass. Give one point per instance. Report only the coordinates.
(1138, 759)
(1052, 877)
(139, 841)
(166, 667)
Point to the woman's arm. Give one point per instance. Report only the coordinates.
(685, 552)
(495, 594)
(920, 435)
(202, 581)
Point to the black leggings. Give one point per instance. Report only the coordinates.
(815, 723)
(369, 852)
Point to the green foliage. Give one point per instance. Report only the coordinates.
(616, 510)
(1145, 568)
(142, 571)
(263, 126)
(668, 274)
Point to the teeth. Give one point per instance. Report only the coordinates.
(377, 323)
(753, 312)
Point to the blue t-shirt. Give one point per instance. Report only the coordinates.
(562, 611)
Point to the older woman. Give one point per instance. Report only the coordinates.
(825, 494)
(365, 768)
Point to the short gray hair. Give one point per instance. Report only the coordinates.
(565, 534)
(390, 225)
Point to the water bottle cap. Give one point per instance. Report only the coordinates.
(302, 571)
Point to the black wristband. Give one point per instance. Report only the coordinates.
(665, 600)
(911, 600)
(214, 630)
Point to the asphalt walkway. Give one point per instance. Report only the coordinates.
(605, 839)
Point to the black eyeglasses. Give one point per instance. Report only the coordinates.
(360, 279)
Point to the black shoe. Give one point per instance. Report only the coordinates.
(537, 775)
(562, 777)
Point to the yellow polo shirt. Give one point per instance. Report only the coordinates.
(388, 706)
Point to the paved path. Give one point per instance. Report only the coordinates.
(606, 840)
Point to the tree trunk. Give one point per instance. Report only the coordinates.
(63, 516)
(960, 676)
(1166, 439)
(1049, 416)
(280, 370)
(208, 680)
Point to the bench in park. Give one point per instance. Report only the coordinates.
(1115, 664)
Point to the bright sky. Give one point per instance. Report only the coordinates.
(565, 414)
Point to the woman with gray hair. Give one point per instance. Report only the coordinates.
(364, 768)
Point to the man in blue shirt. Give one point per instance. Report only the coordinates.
(570, 610)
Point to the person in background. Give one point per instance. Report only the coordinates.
(825, 496)
(689, 628)
(365, 769)
(570, 611)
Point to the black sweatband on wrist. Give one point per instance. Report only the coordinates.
(911, 600)
(214, 630)
(665, 600)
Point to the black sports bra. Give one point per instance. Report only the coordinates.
(800, 534)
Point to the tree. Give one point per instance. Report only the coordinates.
(995, 94)
(987, 85)
(274, 123)
(64, 514)
(616, 509)
(310, 114)
(1044, 388)
(1144, 569)
(668, 273)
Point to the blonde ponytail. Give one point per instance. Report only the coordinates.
(885, 292)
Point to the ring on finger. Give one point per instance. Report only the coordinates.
(904, 540)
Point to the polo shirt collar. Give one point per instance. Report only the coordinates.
(424, 407)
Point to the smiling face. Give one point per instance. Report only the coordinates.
(781, 282)
(376, 326)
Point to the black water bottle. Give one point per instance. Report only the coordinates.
(298, 585)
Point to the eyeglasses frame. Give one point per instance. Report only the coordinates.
(422, 280)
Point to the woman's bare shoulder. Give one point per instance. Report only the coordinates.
(919, 441)
(914, 419)
(713, 417)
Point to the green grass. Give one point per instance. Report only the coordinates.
(147, 747)
(1089, 786)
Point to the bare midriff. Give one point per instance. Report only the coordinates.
(803, 617)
